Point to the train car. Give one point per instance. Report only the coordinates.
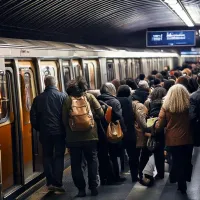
(23, 67)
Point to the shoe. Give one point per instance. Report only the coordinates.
(59, 189)
(50, 188)
(135, 180)
(183, 191)
(81, 193)
(94, 192)
(121, 179)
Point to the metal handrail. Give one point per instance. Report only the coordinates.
(1, 196)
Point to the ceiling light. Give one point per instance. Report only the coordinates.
(177, 7)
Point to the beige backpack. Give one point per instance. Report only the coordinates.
(80, 116)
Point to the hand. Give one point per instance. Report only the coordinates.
(148, 134)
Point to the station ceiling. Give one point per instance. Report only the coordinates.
(87, 21)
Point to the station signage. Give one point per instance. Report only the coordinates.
(170, 38)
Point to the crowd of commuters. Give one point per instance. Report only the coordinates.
(171, 97)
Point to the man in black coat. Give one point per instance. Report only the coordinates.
(46, 117)
(195, 113)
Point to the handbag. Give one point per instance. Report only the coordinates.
(151, 143)
(114, 132)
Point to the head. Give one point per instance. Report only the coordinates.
(143, 85)
(177, 74)
(150, 78)
(77, 86)
(157, 81)
(123, 82)
(159, 76)
(154, 72)
(141, 77)
(131, 83)
(50, 81)
(166, 68)
(187, 72)
(177, 99)
(164, 74)
(108, 88)
(116, 83)
(168, 84)
(158, 93)
(183, 81)
(123, 91)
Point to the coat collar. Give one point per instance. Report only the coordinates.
(51, 88)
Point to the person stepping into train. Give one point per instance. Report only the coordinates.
(46, 117)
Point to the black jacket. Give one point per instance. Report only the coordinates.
(140, 95)
(46, 112)
(128, 118)
(116, 114)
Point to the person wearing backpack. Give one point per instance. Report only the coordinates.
(79, 113)
(108, 96)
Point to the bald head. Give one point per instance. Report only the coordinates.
(50, 81)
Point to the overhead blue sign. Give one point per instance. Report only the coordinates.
(170, 38)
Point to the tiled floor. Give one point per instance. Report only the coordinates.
(162, 190)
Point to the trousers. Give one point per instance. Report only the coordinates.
(89, 150)
(53, 158)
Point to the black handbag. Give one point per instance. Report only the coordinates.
(151, 143)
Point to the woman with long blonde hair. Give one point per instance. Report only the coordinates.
(174, 116)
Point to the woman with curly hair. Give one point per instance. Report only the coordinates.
(174, 117)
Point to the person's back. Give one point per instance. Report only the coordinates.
(49, 111)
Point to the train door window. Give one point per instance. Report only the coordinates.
(110, 71)
(48, 68)
(77, 68)
(3, 98)
(66, 73)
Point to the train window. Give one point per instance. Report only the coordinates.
(77, 70)
(4, 101)
(47, 71)
(27, 84)
(120, 71)
(126, 70)
(87, 76)
(98, 76)
(110, 72)
(67, 76)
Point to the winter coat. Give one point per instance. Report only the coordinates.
(140, 95)
(140, 115)
(77, 138)
(116, 111)
(128, 116)
(177, 125)
(46, 112)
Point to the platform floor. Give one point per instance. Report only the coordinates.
(162, 190)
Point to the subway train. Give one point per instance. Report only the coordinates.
(23, 67)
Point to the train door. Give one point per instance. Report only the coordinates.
(30, 142)
(77, 68)
(10, 161)
(92, 74)
(137, 67)
(48, 68)
(110, 70)
(67, 72)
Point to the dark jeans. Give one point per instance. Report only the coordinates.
(160, 160)
(181, 164)
(89, 150)
(133, 160)
(106, 172)
(114, 149)
(142, 156)
(53, 158)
